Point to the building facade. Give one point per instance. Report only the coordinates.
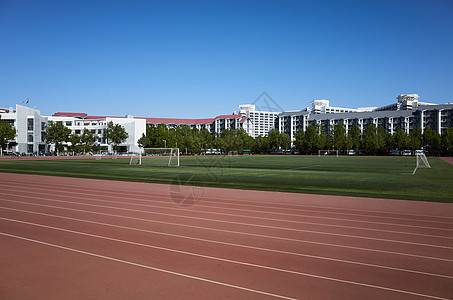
(30, 129)
(407, 113)
(77, 122)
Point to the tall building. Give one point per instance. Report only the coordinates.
(257, 123)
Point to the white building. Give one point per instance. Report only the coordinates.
(77, 122)
(257, 123)
(407, 113)
(30, 128)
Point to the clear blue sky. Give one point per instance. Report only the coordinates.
(195, 59)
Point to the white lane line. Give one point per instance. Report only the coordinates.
(256, 204)
(232, 244)
(242, 223)
(234, 232)
(226, 284)
(277, 220)
(148, 267)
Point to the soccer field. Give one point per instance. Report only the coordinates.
(380, 177)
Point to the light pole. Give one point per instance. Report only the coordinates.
(165, 141)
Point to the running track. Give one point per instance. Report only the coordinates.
(67, 238)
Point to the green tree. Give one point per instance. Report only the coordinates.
(415, 139)
(87, 140)
(75, 140)
(373, 139)
(206, 139)
(339, 137)
(354, 138)
(278, 140)
(115, 134)
(260, 144)
(400, 139)
(7, 132)
(57, 133)
(323, 140)
(431, 140)
(311, 140)
(299, 139)
(447, 140)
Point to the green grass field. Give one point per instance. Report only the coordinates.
(382, 177)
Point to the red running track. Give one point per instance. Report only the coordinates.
(68, 238)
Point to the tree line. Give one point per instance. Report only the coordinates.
(194, 141)
(59, 135)
(374, 140)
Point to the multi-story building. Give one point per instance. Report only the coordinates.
(257, 123)
(407, 113)
(30, 127)
(77, 122)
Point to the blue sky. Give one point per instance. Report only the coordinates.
(195, 59)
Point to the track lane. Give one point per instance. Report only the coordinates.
(233, 228)
(169, 258)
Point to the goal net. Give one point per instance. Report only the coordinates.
(327, 153)
(106, 154)
(421, 161)
(167, 157)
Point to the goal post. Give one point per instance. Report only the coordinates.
(328, 153)
(421, 161)
(156, 157)
(103, 154)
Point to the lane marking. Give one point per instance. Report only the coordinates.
(271, 205)
(148, 267)
(241, 223)
(234, 232)
(222, 283)
(278, 220)
(223, 243)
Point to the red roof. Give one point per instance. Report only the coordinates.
(228, 117)
(167, 121)
(96, 117)
(67, 114)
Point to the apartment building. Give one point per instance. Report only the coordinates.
(407, 113)
(257, 123)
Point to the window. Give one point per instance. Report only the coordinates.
(43, 126)
(68, 123)
(30, 124)
(77, 131)
(93, 131)
(30, 138)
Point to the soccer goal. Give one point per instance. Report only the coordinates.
(106, 154)
(168, 157)
(327, 153)
(421, 161)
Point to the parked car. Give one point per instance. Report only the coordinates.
(351, 152)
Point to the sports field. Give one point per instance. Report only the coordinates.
(379, 177)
